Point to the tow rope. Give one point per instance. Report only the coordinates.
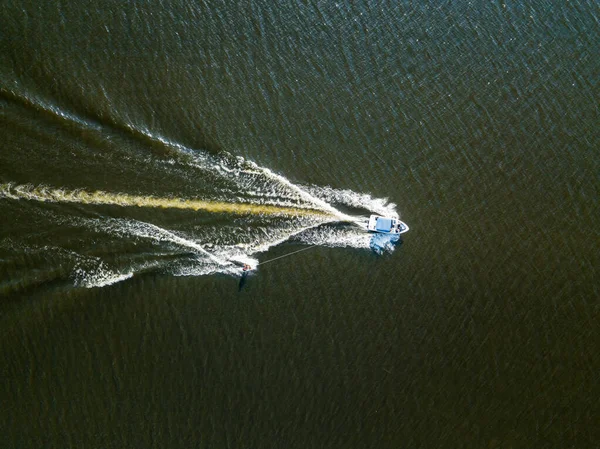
(285, 255)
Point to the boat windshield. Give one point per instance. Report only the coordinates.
(384, 224)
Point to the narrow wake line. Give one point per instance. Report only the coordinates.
(47, 108)
(100, 278)
(48, 194)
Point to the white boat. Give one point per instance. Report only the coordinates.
(386, 225)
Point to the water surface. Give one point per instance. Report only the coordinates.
(145, 146)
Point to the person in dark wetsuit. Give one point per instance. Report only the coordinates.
(245, 272)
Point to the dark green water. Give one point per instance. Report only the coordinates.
(121, 325)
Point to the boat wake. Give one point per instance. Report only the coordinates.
(198, 213)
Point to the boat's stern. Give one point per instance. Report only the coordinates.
(372, 223)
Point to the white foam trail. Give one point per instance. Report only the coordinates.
(334, 237)
(380, 206)
(316, 196)
(248, 167)
(306, 195)
(100, 277)
(89, 271)
(264, 247)
(243, 259)
(142, 229)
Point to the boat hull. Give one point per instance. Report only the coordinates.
(386, 225)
